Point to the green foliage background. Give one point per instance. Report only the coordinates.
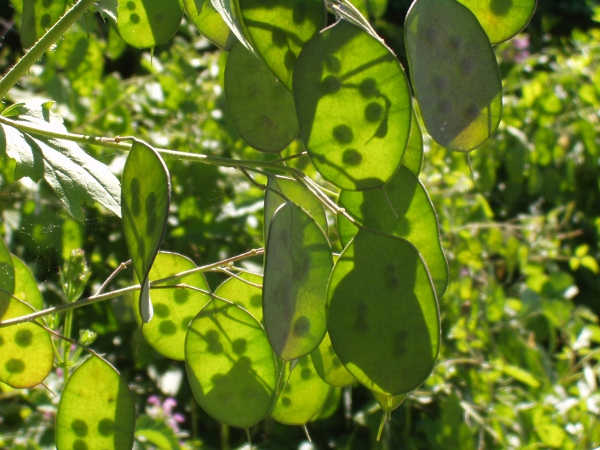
(520, 221)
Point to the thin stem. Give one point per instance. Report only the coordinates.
(40, 47)
(112, 276)
(119, 292)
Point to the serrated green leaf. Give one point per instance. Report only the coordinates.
(328, 365)
(278, 30)
(26, 287)
(26, 350)
(298, 262)
(501, 19)
(382, 313)
(295, 192)
(247, 294)
(261, 108)
(145, 200)
(209, 23)
(358, 147)
(73, 175)
(7, 270)
(38, 16)
(96, 409)
(173, 308)
(401, 208)
(148, 23)
(454, 73)
(303, 395)
(230, 365)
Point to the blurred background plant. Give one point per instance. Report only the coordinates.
(520, 221)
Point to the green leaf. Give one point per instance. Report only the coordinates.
(328, 365)
(244, 294)
(26, 287)
(454, 73)
(148, 23)
(74, 176)
(401, 208)
(209, 23)
(96, 409)
(520, 374)
(173, 308)
(145, 200)
(38, 16)
(26, 350)
(230, 365)
(279, 29)
(358, 147)
(296, 193)
(298, 262)
(303, 395)
(156, 432)
(227, 10)
(413, 155)
(382, 313)
(261, 108)
(389, 403)
(7, 270)
(501, 19)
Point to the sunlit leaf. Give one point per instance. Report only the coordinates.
(148, 23)
(413, 156)
(298, 262)
(501, 19)
(26, 287)
(96, 409)
(74, 176)
(353, 106)
(145, 200)
(382, 313)
(298, 194)
(38, 16)
(454, 73)
(302, 397)
(261, 108)
(278, 29)
(227, 10)
(230, 365)
(209, 22)
(248, 296)
(402, 208)
(328, 365)
(26, 350)
(173, 308)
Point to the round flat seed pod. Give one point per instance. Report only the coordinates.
(279, 28)
(26, 287)
(454, 73)
(389, 403)
(248, 296)
(38, 16)
(295, 192)
(261, 108)
(501, 19)
(148, 23)
(328, 365)
(230, 365)
(303, 395)
(174, 308)
(298, 263)
(96, 409)
(400, 208)
(353, 106)
(413, 156)
(209, 23)
(382, 313)
(26, 351)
